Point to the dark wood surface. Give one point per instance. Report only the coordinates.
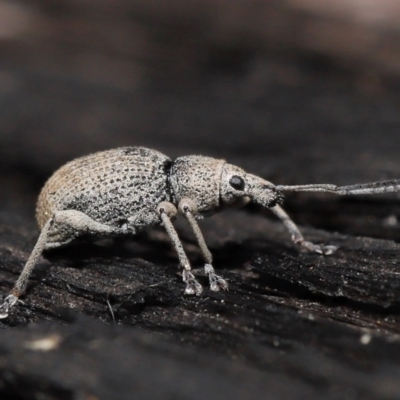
(110, 320)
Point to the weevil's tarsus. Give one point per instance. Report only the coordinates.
(188, 208)
(311, 247)
(216, 282)
(7, 304)
(297, 236)
(167, 211)
(192, 286)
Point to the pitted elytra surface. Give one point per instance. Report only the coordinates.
(109, 187)
(117, 192)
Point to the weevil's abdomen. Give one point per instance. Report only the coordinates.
(109, 186)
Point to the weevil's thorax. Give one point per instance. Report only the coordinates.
(197, 178)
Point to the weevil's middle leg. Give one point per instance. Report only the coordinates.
(167, 211)
(187, 207)
(297, 237)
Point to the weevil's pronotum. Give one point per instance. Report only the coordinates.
(118, 192)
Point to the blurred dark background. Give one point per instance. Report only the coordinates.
(296, 91)
(303, 80)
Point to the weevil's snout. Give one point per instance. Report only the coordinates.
(269, 197)
(236, 183)
(263, 192)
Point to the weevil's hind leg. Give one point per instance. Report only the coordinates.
(21, 283)
(69, 225)
(61, 229)
(188, 207)
(167, 211)
(297, 237)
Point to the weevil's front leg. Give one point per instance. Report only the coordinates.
(297, 237)
(188, 208)
(167, 211)
(60, 229)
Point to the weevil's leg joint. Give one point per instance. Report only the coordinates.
(168, 209)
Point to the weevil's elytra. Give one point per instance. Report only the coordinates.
(109, 187)
(120, 191)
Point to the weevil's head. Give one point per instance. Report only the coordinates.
(212, 183)
(236, 183)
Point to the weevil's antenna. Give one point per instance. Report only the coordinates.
(359, 188)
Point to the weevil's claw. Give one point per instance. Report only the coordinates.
(317, 248)
(328, 250)
(216, 282)
(8, 303)
(192, 286)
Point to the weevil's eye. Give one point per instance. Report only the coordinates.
(237, 182)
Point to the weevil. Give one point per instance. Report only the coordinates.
(121, 191)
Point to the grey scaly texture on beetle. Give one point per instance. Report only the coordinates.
(118, 192)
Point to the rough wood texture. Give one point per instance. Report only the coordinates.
(292, 325)
(110, 320)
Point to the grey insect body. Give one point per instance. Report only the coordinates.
(119, 188)
(118, 192)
